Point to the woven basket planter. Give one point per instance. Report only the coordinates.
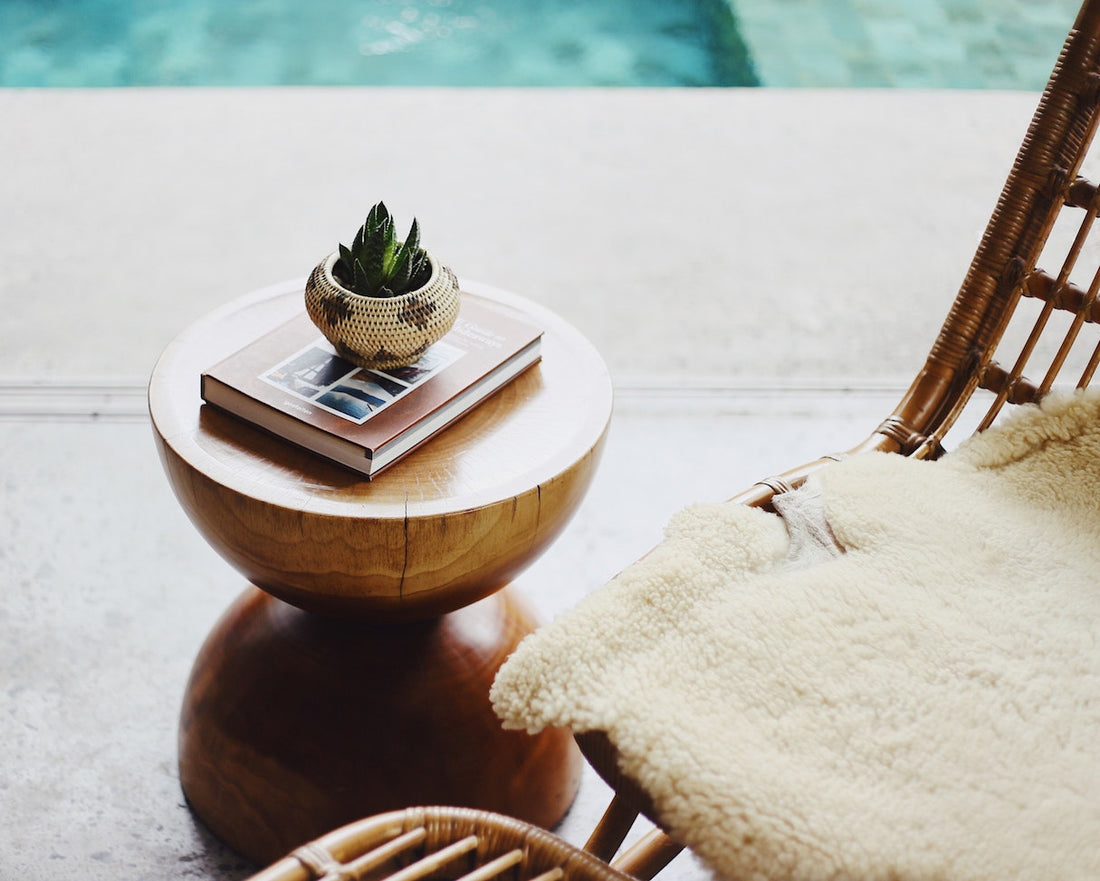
(382, 332)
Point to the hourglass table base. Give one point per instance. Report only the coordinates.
(294, 723)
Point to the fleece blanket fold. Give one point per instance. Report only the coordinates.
(920, 702)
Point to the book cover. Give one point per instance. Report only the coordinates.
(292, 383)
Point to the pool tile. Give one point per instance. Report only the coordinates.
(998, 44)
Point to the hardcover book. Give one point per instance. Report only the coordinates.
(291, 383)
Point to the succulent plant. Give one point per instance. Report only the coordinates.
(377, 264)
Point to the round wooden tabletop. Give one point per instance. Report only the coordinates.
(452, 522)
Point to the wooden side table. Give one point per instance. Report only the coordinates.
(352, 675)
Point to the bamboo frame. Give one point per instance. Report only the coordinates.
(424, 844)
(1043, 183)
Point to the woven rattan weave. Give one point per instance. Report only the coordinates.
(430, 843)
(382, 332)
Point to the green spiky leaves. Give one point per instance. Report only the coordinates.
(377, 264)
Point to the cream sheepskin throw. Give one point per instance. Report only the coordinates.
(924, 703)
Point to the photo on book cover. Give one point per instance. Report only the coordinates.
(319, 376)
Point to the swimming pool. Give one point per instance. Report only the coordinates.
(371, 42)
(1005, 44)
(969, 44)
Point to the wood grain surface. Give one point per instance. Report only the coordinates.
(353, 678)
(296, 723)
(449, 524)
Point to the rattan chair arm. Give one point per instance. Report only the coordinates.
(434, 842)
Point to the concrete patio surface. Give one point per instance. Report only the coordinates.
(763, 271)
(687, 233)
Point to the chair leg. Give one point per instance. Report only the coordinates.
(648, 856)
(642, 860)
(610, 832)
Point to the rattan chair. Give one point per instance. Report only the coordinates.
(453, 843)
(1024, 322)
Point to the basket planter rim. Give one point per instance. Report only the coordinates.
(382, 332)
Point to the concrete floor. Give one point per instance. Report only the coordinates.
(762, 270)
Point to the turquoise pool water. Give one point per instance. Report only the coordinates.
(1002, 44)
(942, 44)
(371, 42)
